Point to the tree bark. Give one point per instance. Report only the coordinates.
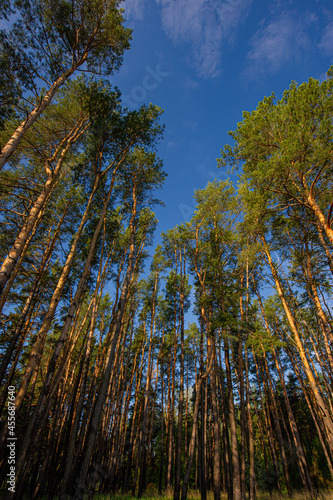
(10, 261)
(236, 473)
(325, 415)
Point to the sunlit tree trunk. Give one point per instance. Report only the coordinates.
(111, 350)
(252, 475)
(325, 415)
(301, 462)
(30, 299)
(178, 464)
(171, 417)
(313, 411)
(188, 467)
(236, 473)
(35, 353)
(145, 416)
(10, 261)
(216, 424)
(269, 431)
(272, 406)
(132, 439)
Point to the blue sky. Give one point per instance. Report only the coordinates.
(205, 62)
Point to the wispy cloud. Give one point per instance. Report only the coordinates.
(191, 84)
(282, 41)
(134, 9)
(326, 43)
(203, 26)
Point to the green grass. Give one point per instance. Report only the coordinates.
(152, 494)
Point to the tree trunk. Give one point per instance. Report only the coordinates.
(178, 467)
(252, 476)
(19, 133)
(236, 474)
(37, 348)
(216, 424)
(325, 415)
(81, 483)
(10, 261)
(194, 429)
(31, 296)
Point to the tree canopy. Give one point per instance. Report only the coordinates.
(210, 368)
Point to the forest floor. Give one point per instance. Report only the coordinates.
(193, 495)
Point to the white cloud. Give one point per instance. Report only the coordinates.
(326, 44)
(134, 9)
(202, 25)
(191, 84)
(278, 43)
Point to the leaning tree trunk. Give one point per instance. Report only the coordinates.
(10, 261)
(324, 412)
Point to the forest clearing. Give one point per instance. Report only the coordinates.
(193, 361)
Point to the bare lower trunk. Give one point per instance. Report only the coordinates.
(324, 413)
(178, 467)
(216, 424)
(36, 350)
(194, 430)
(236, 474)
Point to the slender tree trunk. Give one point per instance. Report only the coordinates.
(160, 479)
(144, 425)
(225, 434)
(19, 133)
(216, 431)
(178, 467)
(10, 261)
(171, 418)
(325, 415)
(269, 431)
(240, 375)
(322, 220)
(203, 426)
(252, 476)
(324, 323)
(273, 411)
(131, 451)
(301, 460)
(81, 483)
(36, 350)
(313, 412)
(31, 296)
(194, 429)
(236, 473)
(79, 406)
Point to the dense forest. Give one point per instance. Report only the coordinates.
(106, 385)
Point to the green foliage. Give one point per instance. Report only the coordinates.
(46, 41)
(285, 149)
(54, 36)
